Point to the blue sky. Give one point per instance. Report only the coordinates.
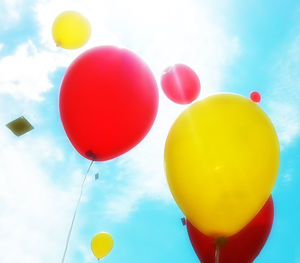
(234, 46)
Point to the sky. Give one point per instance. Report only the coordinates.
(233, 46)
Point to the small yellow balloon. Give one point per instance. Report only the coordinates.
(221, 162)
(101, 245)
(71, 30)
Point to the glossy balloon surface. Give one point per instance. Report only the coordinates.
(255, 96)
(71, 30)
(108, 102)
(180, 84)
(221, 162)
(101, 245)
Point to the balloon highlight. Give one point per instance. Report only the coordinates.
(180, 84)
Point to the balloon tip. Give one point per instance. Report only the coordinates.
(221, 241)
(183, 221)
(89, 154)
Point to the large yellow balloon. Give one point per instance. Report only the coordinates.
(71, 30)
(221, 162)
(101, 245)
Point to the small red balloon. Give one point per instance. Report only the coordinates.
(242, 247)
(108, 102)
(255, 96)
(180, 84)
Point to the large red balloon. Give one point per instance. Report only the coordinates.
(108, 102)
(242, 247)
(180, 84)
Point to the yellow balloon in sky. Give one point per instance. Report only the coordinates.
(221, 161)
(101, 245)
(71, 30)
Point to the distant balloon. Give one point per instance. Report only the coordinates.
(108, 102)
(180, 84)
(101, 245)
(255, 96)
(71, 30)
(242, 247)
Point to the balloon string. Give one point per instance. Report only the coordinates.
(75, 212)
(217, 254)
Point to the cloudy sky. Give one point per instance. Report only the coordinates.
(234, 46)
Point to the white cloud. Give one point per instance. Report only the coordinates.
(10, 12)
(287, 178)
(25, 74)
(183, 36)
(35, 213)
(285, 94)
(46, 12)
(285, 117)
(162, 32)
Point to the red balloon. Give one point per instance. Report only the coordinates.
(108, 102)
(242, 247)
(255, 96)
(180, 84)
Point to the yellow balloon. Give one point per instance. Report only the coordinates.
(221, 162)
(101, 245)
(71, 30)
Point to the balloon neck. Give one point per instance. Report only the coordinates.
(89, 154)
(183, 221)
(220, 241)
(217, 254)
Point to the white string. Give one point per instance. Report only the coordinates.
(217, 254)
(75, 212)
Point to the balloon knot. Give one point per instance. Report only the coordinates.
(89, 154)
(221, 241)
